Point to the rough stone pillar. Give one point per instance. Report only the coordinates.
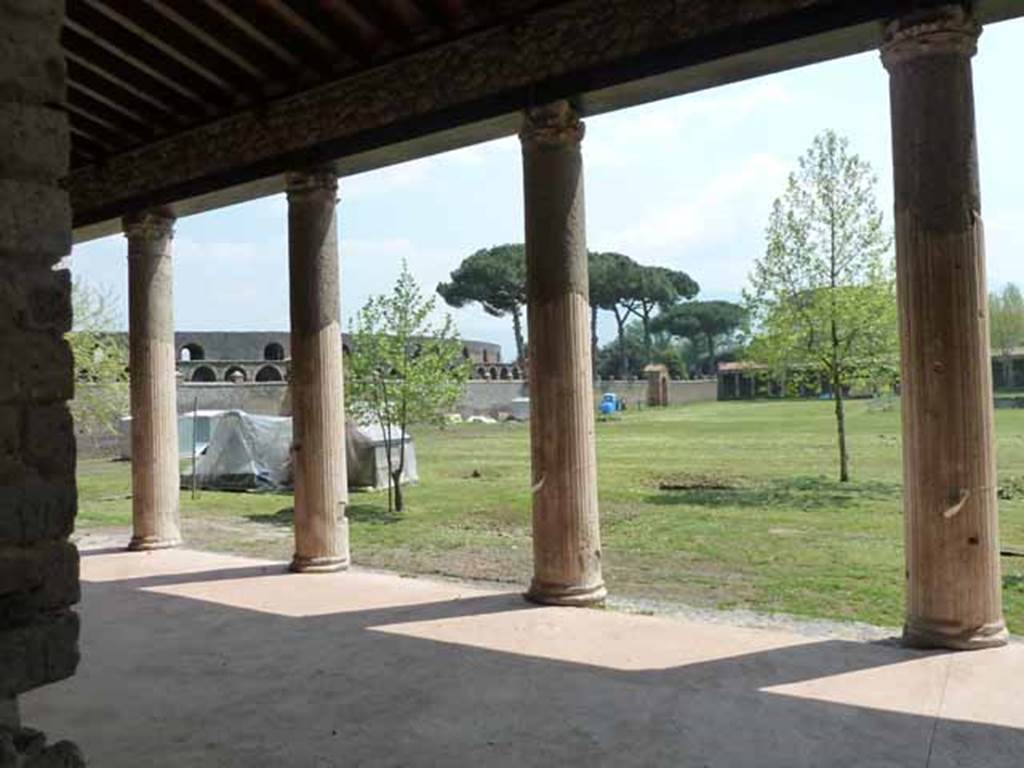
(318, 398)
(952, 552)
(566, 534)
(38, 566)
(155, 470)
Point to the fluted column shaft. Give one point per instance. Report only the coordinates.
(318, 398)
(151, 366)
(566, 533)
(953, 595)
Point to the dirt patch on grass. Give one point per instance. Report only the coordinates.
(686, 481)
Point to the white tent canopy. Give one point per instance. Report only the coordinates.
(250, 452)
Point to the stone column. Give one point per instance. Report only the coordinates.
(155, 473)
(952, 552)
(566, 534)
(38, 565)
(318, 398)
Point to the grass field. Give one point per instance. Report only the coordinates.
(753, 517)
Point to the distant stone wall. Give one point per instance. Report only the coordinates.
(268, 399)
(478, 398)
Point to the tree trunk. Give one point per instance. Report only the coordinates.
(396, 482)
(517, 325)
(844, 457)
(646, 319)
(620, 321)
(593, 340)
(711, 353)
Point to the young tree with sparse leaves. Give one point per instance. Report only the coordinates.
(101, 363)
(404, 369)
(822, 299)
(1006, 325)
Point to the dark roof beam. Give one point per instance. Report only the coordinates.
(85, 80)
(165, 35)
(218, 36)
(381, 17)
(306, 24)
(88, 55)
(111, 135)
(433, 13)
(238, 20)
(80, 102)
(340, 24)
(279, 23)
(83, 149)
(94, 133)
(136, 52)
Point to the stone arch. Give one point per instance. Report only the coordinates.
(515, 374)
(269, 373)
(231, 373)
(465, 353)
(204, 373)
(191, 352)
(504, 373)
(481, 372)
(493, 373)
(485, 356)
(273, 351)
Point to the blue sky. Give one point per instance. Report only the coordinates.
(685, 182)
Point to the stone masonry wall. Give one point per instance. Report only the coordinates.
(38, 566)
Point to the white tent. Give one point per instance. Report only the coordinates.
(246, 452)
(205, 422)
(249, 452)
(366, 452)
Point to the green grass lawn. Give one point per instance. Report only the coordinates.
(753, 516)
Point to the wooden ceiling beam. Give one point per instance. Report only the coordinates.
(81, 102)
(343, 31)
(381, 16)
(166, 30)
(136, 52)
(82, 78)
(243, 28)
(279, 23)
(84, 51)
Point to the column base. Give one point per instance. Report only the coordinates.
(302, 564)
(146, 543)
(925, 635)
(557, 594)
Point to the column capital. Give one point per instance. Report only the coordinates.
(311, 181)
(552, 125)
(149, 225)
(947, 30)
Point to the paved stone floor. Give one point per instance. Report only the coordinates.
(195, 659)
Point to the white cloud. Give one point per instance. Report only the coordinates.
(736, 198)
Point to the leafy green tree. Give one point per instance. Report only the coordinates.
(605, 288)
(822, 299)
(665, 349)
(705, 323)
(610, 290)
(496, 279)
(1006, 325)
(647, 288)
(101, 364)
(404, 369)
